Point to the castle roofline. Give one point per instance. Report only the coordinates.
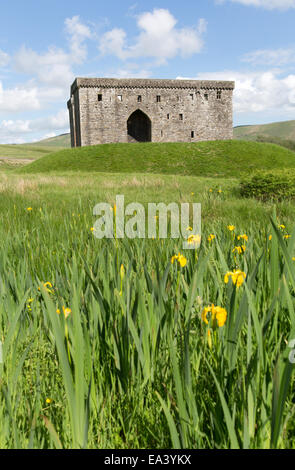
(149, 83)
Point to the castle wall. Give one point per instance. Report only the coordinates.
(204, 115)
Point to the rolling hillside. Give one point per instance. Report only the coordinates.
(230, 158)
(283, 130)
(35, 150)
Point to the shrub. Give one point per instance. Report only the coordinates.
(267, 186)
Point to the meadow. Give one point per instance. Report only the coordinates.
(109, 344)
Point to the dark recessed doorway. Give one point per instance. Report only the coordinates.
(139, 127)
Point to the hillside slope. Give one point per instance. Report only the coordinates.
(35, 150)
(283, 130)
(217, 158)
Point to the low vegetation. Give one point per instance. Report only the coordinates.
(270, 186)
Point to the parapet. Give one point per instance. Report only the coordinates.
(150, 83)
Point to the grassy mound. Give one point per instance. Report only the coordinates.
(218, 158)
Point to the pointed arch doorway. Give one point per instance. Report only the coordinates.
(139, 127)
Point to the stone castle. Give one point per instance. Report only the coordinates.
(109, 110)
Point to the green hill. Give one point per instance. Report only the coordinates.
(230, 158)
(283, 130)
(60, 141)
(35, 150)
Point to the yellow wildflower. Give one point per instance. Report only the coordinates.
(29, 209)
(211, 237)
(293, 259)
(189, 229)
(239, 249)
(92, 229)
(48, 401)
(218, 315)
(237, 277)
(66, 311)
(270, 237)
(287, 236)
(243, 237)
(194, 239)
(220, 191)
(210, 190)
(48, 287)
(282, 226)
(231, 228)
(180, 258)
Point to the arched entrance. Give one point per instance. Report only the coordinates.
(139, 127)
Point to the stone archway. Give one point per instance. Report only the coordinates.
(139, 127)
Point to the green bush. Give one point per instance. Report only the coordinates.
(267, 186)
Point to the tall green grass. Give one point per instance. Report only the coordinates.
(131, 366)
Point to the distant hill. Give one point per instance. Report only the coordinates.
(228, 158)
(62, 141)
(283, 130)
(35, 150)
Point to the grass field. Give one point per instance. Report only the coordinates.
(105, 342)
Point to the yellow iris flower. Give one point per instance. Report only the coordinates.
(218, 315)
(237, 277)
(180, 259)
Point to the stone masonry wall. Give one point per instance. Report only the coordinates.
(205, 106)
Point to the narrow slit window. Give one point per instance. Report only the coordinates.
(161, 133)
(193, 134)
(99, 97)
(158, 99)
(192, 96)
(120, 97)
(219, 94)
(168, 116)
(139, 99)
(181, 117)
(206, 96)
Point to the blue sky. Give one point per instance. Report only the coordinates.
(45, 45)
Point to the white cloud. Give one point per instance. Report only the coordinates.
(4, 58)
(55, 65)
(113, 42)
(256, 92)
(131, 73)
(267, 4)
(50, 76)
(159, 38)
(77, 33)
(16, 130)
(276, 57)
(51, 72)
(18, 99)
(50, 68)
